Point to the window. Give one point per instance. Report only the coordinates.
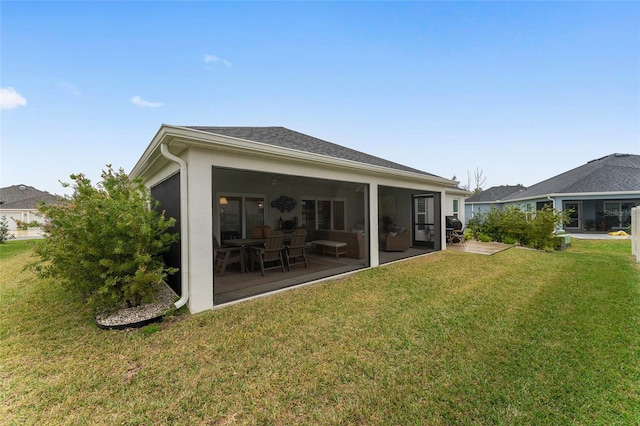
(617, 214)
(308, 211)
(254, 213)
(456, 203)
(338, 214)
(529, 211)
(543, 204)
(323, 213)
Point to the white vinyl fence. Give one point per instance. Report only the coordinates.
(635, 233)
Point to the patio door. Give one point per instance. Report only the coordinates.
(230, 217)
(575, 217)
(423, 220)
(239, 214)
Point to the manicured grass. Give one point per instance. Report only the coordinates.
(521, 337)
(14, 248)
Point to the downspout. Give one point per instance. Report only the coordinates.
(553, 202)
(184, 226)
(553, 206)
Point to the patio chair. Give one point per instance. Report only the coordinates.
(295, 251)
(225, 256)
(270, 253)
(456, 236)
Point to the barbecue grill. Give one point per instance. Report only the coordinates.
(455, 233)
(453, 223)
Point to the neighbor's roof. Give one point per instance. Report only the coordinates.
(495, 194)
(613, 173)
(21, 197)
(285, 138)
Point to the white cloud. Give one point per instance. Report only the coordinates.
(138, 101)
(10, 99)
(213, 58)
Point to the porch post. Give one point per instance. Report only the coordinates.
(200, 230)
(374, 255)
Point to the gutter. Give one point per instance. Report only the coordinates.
(184, 225)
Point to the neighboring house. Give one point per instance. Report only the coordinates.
(600, 193)
(483, 200)
(225, 182)
(20, 203)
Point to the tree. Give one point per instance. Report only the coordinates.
(106, 242)
(478, 178)
(4, 230)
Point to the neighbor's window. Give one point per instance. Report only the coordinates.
(529, 211)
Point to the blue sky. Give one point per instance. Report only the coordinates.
(521, 90)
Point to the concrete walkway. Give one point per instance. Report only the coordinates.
(598, 237)
(478, 247)
(29, 234)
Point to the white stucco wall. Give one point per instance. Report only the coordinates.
(448, 206)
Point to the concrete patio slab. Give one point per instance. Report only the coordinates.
(478, 247)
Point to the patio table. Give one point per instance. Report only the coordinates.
(244, 243)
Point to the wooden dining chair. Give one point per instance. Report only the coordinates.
(225, 256)
(271, 253)
(295, 251)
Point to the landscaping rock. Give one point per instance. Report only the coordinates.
(142, 315)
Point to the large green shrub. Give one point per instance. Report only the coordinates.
(545, 222)
(511, 224)
(508, 222)
(105, 241)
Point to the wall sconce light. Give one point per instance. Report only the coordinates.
(223, 201)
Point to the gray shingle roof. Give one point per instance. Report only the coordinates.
(495, 194)
(613, 173)
(285, 138)
(22, 197)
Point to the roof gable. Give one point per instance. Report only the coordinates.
(24, 197)
(285, 138)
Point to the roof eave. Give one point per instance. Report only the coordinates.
(574, 194)
(459, 191)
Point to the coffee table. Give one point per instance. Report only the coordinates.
(330, 247)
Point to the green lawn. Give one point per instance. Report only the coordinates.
(521, 337)
(15, 248)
